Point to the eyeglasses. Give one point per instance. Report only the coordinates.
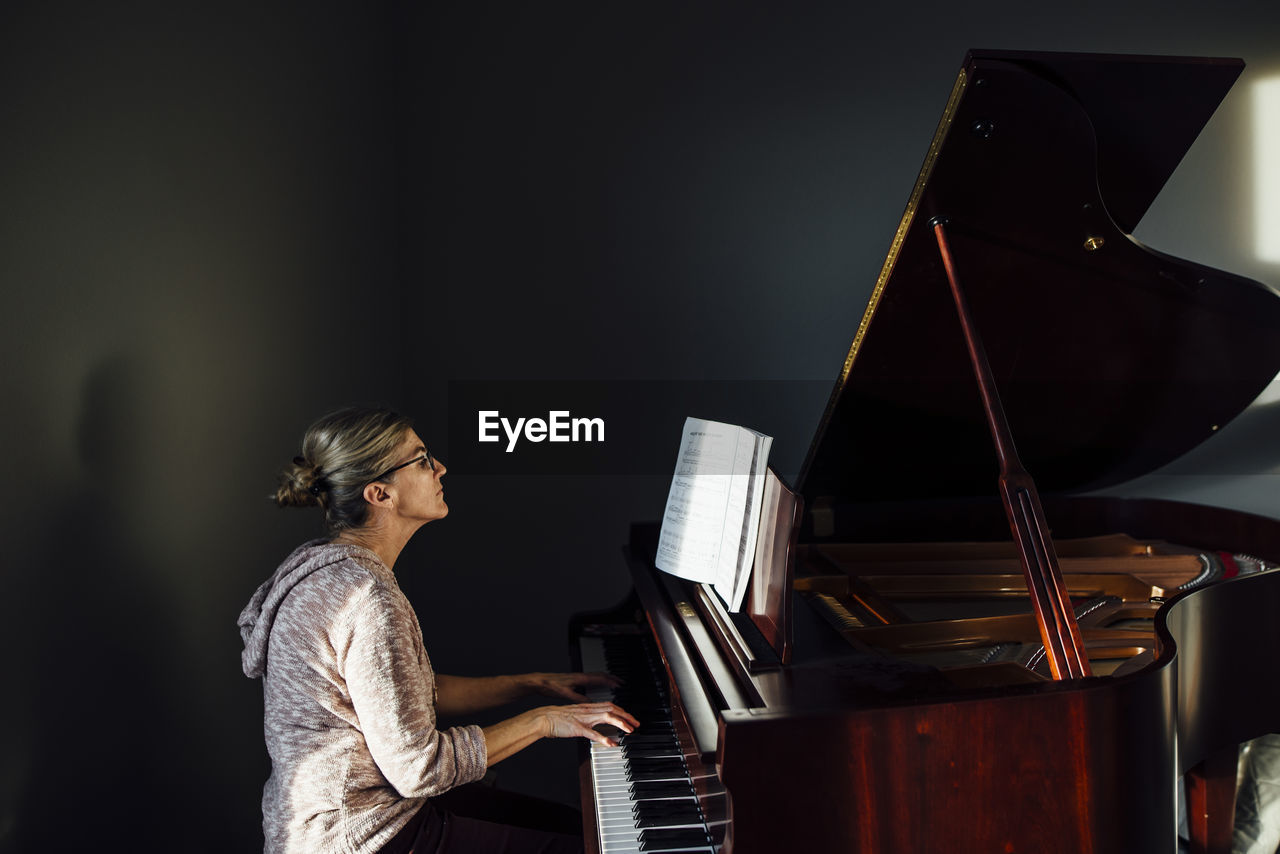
(425, 455)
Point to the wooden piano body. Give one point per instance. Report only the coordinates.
(897, 699)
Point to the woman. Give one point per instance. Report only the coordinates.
(350, 696)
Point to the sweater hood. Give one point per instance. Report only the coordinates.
(259, 615)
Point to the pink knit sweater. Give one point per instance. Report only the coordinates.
(350, 704)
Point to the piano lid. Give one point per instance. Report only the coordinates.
(1111, 359)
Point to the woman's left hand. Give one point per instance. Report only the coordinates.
(567, 685)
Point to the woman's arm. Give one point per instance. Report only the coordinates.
(514, 734)
(463, 695)
(390, 695)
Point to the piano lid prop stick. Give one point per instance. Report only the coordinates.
(1063, 643)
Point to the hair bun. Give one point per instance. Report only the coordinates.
(300, 485)
(340, 453)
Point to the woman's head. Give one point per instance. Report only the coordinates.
(341, 454)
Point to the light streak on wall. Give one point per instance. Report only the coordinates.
(1266, 168)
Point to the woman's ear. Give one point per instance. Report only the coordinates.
(377, 494)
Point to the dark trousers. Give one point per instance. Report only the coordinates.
(479, 819)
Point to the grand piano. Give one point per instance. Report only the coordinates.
(953, 643)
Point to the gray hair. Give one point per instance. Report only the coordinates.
(341, 454)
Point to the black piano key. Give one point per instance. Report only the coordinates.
(670, 807)
(634, 775)
(668, 817)
(647, 715)
(684, 804)
(643, 734)
(655, 752)
(655, 727)
(654, 769)
(652, 789)
(643, 744)
(650, 751)
(666, 838)
(675, 763)
(640, 747)
(650, 822)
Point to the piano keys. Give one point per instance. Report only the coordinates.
(642, 790)
(907, 707)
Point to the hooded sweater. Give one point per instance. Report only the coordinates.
(349, 698)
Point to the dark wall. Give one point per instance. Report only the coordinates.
(198, 232)
(218, 224)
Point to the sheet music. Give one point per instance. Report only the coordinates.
(713, 508)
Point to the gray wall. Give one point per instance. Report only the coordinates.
(218, 223)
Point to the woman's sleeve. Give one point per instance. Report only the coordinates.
(392, 693)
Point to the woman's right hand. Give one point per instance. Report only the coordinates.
(514, 734)
(579, 720)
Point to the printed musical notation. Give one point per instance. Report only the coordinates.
(713, 508)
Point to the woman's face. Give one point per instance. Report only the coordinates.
(419, 492)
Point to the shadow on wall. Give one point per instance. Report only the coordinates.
(97, 760)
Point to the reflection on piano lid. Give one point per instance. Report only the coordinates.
(915, 712)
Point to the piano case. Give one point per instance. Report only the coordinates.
(908, 704)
